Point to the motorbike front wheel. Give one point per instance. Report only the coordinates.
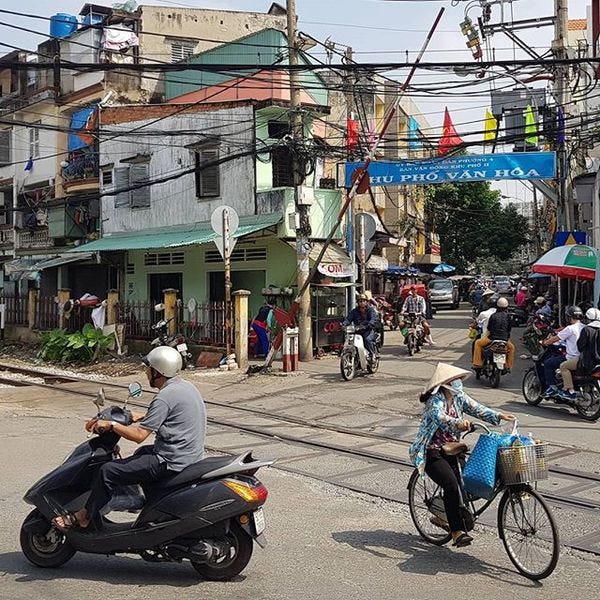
(348, 364)
(588, 406)
(49, 549)
(239, 547)
(531, 388)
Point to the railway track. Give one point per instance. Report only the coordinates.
(349, 442)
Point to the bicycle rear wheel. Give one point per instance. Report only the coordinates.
(528, 532)
(420, 494)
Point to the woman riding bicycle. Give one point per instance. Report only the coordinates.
(442, 422)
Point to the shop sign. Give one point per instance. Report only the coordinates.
(335, 269)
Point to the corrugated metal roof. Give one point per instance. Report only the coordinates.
(176, 236)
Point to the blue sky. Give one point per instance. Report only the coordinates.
(377, 30)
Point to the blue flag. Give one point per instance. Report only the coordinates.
(29, 164)
(414, 143)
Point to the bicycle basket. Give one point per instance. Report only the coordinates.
(523, 464)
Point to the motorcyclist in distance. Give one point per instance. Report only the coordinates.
(365, 317)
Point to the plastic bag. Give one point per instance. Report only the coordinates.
(127, 498)
(472, 333)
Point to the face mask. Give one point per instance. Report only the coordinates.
(455, 386)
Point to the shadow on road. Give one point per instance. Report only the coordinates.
(122, 570)
(425, 558)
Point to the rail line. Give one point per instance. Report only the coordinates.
(53, 380)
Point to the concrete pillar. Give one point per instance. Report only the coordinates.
(63, 295)
(240, 312)
(32, 302)
(112, 307)
(170, 302)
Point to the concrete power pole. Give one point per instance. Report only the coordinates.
(302, 221)
(561, 87)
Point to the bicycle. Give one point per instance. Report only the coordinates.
(525, 523)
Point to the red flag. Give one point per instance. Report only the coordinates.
(449, 138)
(352, 135)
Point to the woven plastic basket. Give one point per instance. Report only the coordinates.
(522, 464)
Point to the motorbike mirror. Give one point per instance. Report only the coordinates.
(135, 389)
(159, 307)
(99, 399)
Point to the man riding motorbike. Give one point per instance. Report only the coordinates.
(567, 336)
(499, 326)
(365, 316)
(178, 418)
(416, 305)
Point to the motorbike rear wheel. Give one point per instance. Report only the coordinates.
(588, 406)
(48, 550)
(227, 567)
(531, 388)
(348, 364)
(373, 365)
(495, 377)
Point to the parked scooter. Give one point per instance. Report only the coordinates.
(415, 334)
(209, 513)
(494, 362)
(587, 387)
(177, 341)
(354, 358)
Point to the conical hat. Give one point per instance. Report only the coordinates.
(445, 373)
(488, 292)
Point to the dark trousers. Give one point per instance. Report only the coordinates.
(550, 365)
(443, 471)
(143, 467)
(262, 348)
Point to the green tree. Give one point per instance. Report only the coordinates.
(473, 225)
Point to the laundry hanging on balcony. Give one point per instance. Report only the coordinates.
(83, 125)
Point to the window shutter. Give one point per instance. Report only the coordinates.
(121, 182)
(208, 180)
(140, 198)
(181, 51)
(5, 154)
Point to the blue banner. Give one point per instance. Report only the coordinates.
(460, 169)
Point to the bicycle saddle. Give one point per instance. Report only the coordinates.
(454, 448)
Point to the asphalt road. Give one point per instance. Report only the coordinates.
(324, 541)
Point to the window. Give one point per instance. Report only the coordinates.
(5, 147)
(283, 174)
(34, 139)
(107, 176)
(208, 173)
(161, 259)
(128, 177)
(238, 255)
(181, 50)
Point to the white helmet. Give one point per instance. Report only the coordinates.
(502, 303)
(165, 360)
(592, 314)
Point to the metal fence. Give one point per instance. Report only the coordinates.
(46, 313)
(15, 312)
(205, 325)
(138, 318)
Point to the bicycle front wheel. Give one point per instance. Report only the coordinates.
(421, 494)
(528, 532)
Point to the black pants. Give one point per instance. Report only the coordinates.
(443, 470)
(143, 467)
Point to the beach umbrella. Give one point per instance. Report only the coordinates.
(444, 268)
(574, 261)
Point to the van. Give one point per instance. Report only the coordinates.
(443, 292)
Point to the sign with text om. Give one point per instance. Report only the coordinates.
(460, 169)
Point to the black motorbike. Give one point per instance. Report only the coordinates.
(494, 362)
(587, 387)
(177, 340)
(210, 513)
(415, 334)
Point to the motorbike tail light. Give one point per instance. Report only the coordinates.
(596, 374)
(255, 494)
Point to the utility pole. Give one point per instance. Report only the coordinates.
(302, 219)
(536, 224)
(561, 87)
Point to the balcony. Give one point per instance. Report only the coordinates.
(33, 238)
(7, 236)
(81, 173)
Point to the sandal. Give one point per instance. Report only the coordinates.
(464, 539)
(69, 521)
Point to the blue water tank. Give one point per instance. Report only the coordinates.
(62, 25)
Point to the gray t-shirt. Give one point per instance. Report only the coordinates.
(178, 418)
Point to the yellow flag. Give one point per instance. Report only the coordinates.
(491, 124)
(531, 133)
